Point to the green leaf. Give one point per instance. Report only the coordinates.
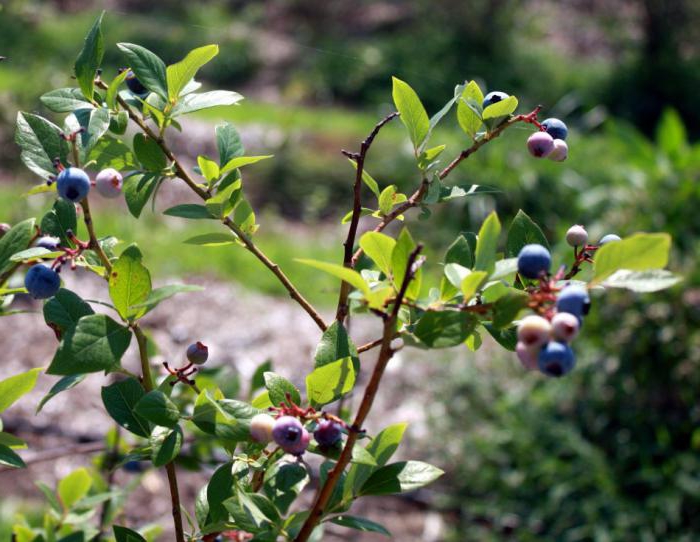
(251, 511)
(671, 134)
(209, 168)
(124, 534)
(244, 217)
(10, 459)
(61, 218)
(390, 197)
(178, 75)
(469, 109)
(111, 152)
(487, 244)
(241, 161)
(460, 252)
(336, 344)
(229, 143)
(113, 89)
(159, 295)
(642, 281)
(225, 199)
(399, 262)
(96, 344)
(41, 143)
(12, 441)
(507, 307)
(74, 487)
(149, 154)
(443, 329)
(165, 445)
(379, 248)
(138, 190)
(14, 387)
(367, 179)
(216, 239)
(14, 241)
(471, 283)
(428, 156)
(330, 382)
(65, 100)
(523, 231)
(89, 59)
(96, 123)
(400, 477)
(448, 193)
(64, 310)
(278, 387)
(129, 284)
(205, 100)
(118, 122)
(189, 210)
(640, 252)
(350, 276)
(507, 338)
(148, 68)
(413, 114)
(501, 109)
(64, 384)
(284, 482)
(360, 524)
(120, 399)
(157, 408)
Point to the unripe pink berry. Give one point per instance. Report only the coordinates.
(576, 236)
(527, 356)
(560, 151)
(261, 428)
(109, 183)
(540, 144)
(534, 331)
(565, 326)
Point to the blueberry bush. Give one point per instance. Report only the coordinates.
(115, 131)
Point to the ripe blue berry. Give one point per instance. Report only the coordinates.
(197, 353)
(560, 152)
(327, 433)
(73, 184)
(556, 359)
(576, 236)
(533, 261)
(574, 300)
(556, 128)
(609, 238)
(492, 98)
(109, 183)
(290, 435)
(261, 428)
(48, 242)
(42, 282)
(135, 85)
(540, 144)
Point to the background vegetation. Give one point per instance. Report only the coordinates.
(610, 452)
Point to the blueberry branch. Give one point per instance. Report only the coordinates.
(386, 352)
(205, 194)
(349, 244)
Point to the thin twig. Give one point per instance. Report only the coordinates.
(94, 243)
(349, 244)
(63, 451)
(385, 354)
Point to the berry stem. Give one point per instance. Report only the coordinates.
(349, 244)
(94, 243)
(385, 354)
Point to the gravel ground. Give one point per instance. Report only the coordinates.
(242, 329)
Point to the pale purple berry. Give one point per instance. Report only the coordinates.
(261, 428)
(109, 183)
(560, 151)
(4, 228)
(565, 327)
(534, 331)
(540, 144)
(290, 435)
(528, 356)
(576, 236)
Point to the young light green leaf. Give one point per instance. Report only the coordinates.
(211, 239)
(120, 399)
(113, 89)
(399, 263)
(501, 109)
(95, 344)
(652, 280)
(350, 276)
(487, 244)
(148, 68)
(209, 168)
(640, 252)
(523, 231)
(14, 387)
(241, 161)
(379, 248)
(74, 487)
(89, 59)
(413, 114)
(367, 179)
(469, 109)
(471, 283)
(330, 382)
(129, 284)
(390, 197)
(178, 75)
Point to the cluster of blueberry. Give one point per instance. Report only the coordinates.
(549, 142)
(290, 434)
(544, 338)
(73, 184)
